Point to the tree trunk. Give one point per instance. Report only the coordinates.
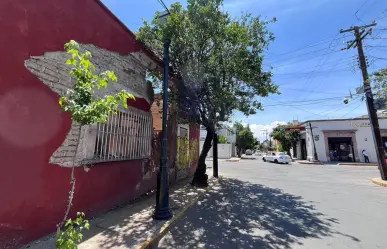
(200, 177)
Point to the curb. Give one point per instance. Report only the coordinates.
(233, 160)
(312, 163)
(379, 182)
(165, 228)
(358, 164)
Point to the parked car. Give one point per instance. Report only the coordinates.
(248, 152)
(280, 157)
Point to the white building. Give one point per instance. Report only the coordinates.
(225, 151)
(339, 139)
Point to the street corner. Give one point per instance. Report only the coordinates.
(379, 182)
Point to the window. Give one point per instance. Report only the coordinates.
(126, 136)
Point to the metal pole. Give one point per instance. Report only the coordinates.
(215, 162)
(163, 211)
(314, 144)
(371, 110)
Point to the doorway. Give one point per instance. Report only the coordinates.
(341, 149)
(303, 149)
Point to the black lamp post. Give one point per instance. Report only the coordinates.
(163, 211)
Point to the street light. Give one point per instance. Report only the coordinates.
(162, 210)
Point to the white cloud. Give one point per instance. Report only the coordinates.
(258, 129)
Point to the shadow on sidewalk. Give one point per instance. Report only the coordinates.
(245, 215)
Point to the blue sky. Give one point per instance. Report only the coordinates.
(314, 76)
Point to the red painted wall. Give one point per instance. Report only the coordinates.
(194, 134)
(33, 193)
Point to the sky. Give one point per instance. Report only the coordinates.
(313, 74)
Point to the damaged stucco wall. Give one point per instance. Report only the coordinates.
(130, 69)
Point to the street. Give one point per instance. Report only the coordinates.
(265, 205)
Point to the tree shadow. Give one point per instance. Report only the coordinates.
(245, 215)
(130, 226)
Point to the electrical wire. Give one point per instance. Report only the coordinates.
(312, 45)
(307, 59)
(297, 107)
(163, 4)
(353, 109)
(357, 17)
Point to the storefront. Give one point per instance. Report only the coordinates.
(341, 140)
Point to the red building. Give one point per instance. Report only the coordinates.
(38, 141)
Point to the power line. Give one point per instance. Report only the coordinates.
(313, 45)
(343, 61)
(297, 107)
(303, 90)
(307, 59)
(163, 4)
(353, 109)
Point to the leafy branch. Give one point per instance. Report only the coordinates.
(85, 108)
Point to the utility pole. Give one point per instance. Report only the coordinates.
(360, 33)
(215, 159)
(314, 144)
(265, 132)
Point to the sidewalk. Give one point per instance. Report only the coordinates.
(133, 226)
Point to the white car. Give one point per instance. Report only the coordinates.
(280, 157)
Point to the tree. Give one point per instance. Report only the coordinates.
(85, 108)
(246, 139)
(222, 139)
(287, 139)
(379, 79)
(219, 60)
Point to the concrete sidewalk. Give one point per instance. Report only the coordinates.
(133, 226)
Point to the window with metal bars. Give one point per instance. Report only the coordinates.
(126, 136)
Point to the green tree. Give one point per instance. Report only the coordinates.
(222, 139)
(219, 57)
(287, 139)
(85, 108)
(379, 80)
(238, 127)
(246, 139)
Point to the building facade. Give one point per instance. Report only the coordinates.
(115, 162)
(339, 140)
(225, 151)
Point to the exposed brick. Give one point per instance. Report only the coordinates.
(53, 72)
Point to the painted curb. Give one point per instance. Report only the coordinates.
(379, 182)
(358, 164)
(233, 160)
(165, 228)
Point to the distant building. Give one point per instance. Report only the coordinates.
(224, 150)
(339, 139)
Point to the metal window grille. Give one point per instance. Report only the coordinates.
(126, 136)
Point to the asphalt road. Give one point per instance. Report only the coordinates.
(265, 205)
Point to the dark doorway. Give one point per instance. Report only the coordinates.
(341, 149)
(303, 149)
(384, 139)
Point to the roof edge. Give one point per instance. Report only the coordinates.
(343, 119)
(147, 50)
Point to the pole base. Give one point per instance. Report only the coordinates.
(162, 214)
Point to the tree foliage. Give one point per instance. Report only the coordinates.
(217, 60)
(72, 234)
(85, 108)
(287, 139)
(222, 139)
(244, 137)
(379, 79)
(80, 101)
(220, 56)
